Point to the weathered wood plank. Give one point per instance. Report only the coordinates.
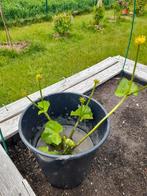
(141, 70)
(11, 181)
(10, 124)
(10, 127)
(17, 107)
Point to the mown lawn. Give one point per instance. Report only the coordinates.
(61, 58)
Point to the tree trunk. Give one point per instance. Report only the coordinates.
(99, 3)
(8, 37)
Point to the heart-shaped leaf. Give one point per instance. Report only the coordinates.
(53, 138)
(46, 150)
(123, 88)
(53, 126)
(51, 135)
(44, 106)
(84, 112)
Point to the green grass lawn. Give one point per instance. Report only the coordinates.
(61, 58)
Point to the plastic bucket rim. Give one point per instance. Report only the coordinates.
(62, 157)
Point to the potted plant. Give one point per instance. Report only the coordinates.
(64, 130)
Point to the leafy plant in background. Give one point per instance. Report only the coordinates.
(116, 10)
(52, 134)
(22, 11)
(63, 23)
(140, 6)
(99, 12)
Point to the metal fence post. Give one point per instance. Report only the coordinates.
(46, 6)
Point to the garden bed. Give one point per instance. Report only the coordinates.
(119, 165)
(18, 47)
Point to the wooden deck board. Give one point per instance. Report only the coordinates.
(11, 181)
(10, 127)
(17, 107)
(141, 70)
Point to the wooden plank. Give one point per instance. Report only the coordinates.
(103, 76)
(27, 187)
(10, 127)
(11, 181)
(141, 70)
(17, 107)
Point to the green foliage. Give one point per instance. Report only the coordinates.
(83, 112)
(45, 149)
(140, 7)
(44, 106)
(26, 11)
(53, 126)
(123, 88)
(51, 135)
(63, 23)
(98, 14)
(45, 53)
(117, 10)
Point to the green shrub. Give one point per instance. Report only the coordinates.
(63, 23)
(117, 10)
(140, 7)
(15, 10)
(98, 14)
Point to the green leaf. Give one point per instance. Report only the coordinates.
(53, 126)
(53, 138)
(44, 106)
(134, 88)
(123, 88)
(51, 135)
(84, 112)
(46, 150)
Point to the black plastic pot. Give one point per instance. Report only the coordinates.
(63, 171)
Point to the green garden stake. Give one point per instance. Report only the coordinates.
(3, 141)
(46, 6)
(130, 36)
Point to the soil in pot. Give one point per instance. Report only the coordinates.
(119, 167)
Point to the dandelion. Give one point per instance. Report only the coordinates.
(38, 77)
(140, 40)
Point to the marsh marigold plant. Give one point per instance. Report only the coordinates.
(141, 39)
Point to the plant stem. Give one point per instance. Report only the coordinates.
(140, 89)
(47, 116)
(78, 121)
(41, 94)
(40, 89)
(32, 102)
(119, 104)
(91, 95)
(134, 69)
(74, 128)
(101, 122)
(45, 113)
